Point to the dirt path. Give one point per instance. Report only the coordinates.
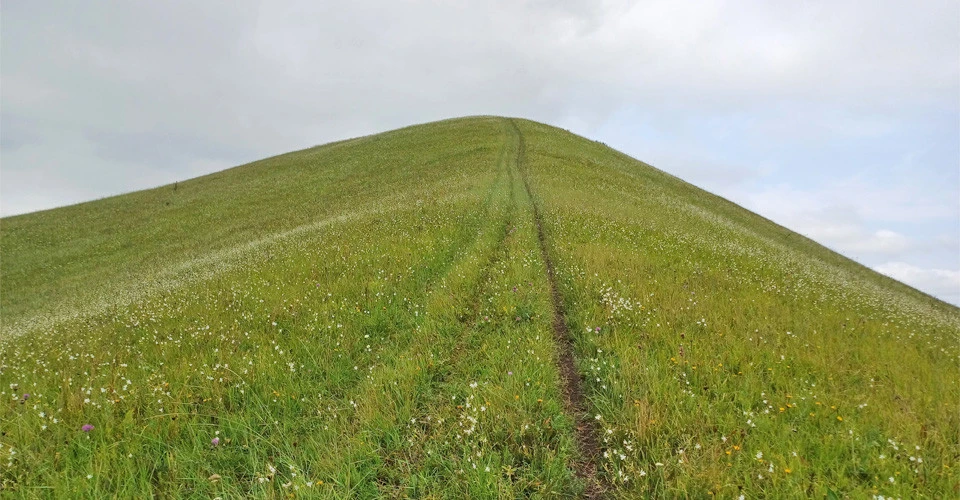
(586, 429)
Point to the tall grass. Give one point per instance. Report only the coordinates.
(372, 318)
(728, 356)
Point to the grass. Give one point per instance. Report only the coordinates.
(372, 318)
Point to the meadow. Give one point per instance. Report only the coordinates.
(375, 318)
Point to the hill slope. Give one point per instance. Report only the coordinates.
(466, 308)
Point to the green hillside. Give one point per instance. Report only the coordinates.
(474, 308)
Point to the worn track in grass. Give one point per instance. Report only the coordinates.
(588, 446)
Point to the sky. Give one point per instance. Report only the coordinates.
(839, 120)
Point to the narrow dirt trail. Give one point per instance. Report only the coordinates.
(588, 446)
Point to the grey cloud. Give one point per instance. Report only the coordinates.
(160, 148)
(16, 132)
(272, 72)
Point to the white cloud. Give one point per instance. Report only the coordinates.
(852, 200)
(943, 283)
(833, 218)
(855, 240)
(856, 218)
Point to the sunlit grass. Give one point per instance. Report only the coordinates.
(372, 318)
(727, 356)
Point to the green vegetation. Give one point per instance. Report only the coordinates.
(373, 318)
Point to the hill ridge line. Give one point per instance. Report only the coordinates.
(573, 397)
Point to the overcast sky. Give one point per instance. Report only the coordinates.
(840, 119)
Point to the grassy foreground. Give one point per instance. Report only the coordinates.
(372, 318)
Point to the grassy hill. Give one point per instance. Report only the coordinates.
(473, 308)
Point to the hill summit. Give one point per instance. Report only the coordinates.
(472, 308)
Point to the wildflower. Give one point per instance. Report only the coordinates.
(215, 442)
(26, 397)
(86, 428)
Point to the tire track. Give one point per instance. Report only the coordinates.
(586, 430)
(467, 319)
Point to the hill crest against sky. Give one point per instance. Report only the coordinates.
(128, 203)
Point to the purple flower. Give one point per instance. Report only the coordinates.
(598, 329)
(26, 397)
(86, 428)
(510, 373)
(215, 441)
